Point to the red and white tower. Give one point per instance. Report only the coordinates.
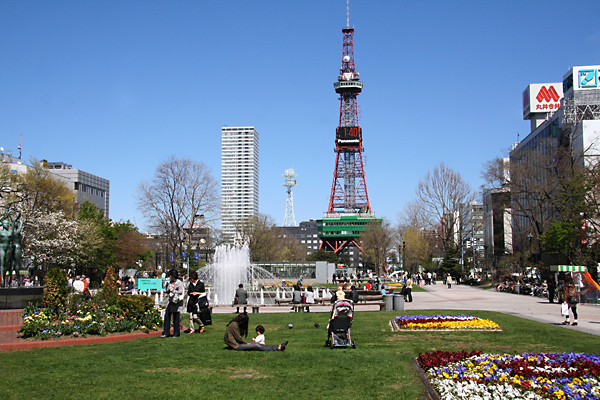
(349, 213)
(349, 188)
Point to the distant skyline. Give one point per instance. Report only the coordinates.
(114, 88)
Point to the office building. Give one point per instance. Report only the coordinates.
(239, 178)
(565, 136)
(87, 187)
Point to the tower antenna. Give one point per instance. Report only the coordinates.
(20, 135)
(290, 182)
(347, 13)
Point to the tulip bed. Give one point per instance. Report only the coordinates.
(476, 375)
(444, 322)
(91, 318)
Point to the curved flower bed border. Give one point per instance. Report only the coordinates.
(443, 323)
(460, 375)
(89, 319)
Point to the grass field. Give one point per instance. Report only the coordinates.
(197, 366)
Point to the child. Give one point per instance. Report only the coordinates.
(260, 337)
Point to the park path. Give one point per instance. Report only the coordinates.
(436, 297)
(464, 297)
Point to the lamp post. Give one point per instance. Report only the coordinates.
(530, 237)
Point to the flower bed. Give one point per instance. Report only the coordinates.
(443, 322)
(92, 318)
(521, 376)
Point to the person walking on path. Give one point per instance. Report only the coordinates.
(195, 291)
(237, 329)
(408, 290)
(571, 298)
(241, 297)
(175, 305)
(551, 288)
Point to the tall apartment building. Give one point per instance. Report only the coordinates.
(239, 177)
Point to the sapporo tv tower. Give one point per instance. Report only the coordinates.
(349, 212)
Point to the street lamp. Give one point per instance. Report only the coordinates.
(530, 237)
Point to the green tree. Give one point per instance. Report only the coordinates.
(322, 255)
(450, 264)
(103, 255)
(417, 248)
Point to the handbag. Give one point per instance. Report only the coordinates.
(572, 300)
(203, 302)
(174, 298)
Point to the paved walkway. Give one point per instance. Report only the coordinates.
(462, 297)
(437, 297)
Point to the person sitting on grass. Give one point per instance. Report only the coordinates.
(237, 328)
(260, 335)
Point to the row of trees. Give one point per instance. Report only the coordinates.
(57, 232)
(183, 194)
(182, 198)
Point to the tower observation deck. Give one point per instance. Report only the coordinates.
(349, 211)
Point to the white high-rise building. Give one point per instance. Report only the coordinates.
(239, 177)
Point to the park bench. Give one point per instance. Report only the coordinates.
(255, 307)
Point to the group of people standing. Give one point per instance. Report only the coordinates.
(197, 304)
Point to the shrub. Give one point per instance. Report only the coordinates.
(135, 306)
(56, 289)
(110, 291)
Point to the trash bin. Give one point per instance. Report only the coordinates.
(389, 302)
(398, 302)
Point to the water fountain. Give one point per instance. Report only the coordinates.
(231, 267)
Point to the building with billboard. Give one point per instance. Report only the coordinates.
(239, 177)
(562, 137)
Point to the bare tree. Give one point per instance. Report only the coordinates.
(181, 195)
(443, 193)
(268, 242)
(378, 240)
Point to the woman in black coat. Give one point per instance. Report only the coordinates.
(195, 292)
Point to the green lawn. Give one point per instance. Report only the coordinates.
(197, 366)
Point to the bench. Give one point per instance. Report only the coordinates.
(301, 307)
(381, 304)
(255, 307)
(365, 298)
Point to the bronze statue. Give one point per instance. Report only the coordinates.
(10, 245)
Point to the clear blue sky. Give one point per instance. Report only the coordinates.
(115, 87)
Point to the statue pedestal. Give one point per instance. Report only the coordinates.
(19, 297)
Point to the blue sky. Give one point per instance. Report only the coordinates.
(115, 87)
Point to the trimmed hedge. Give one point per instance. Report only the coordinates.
(135, 306)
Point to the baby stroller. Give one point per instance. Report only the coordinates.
(338, 329)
